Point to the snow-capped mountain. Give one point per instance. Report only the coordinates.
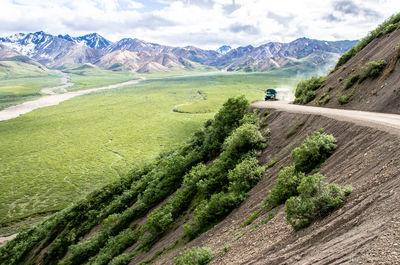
(224, 49)
(36, 45)
(93, 40)
(276, 54)
(142, 56)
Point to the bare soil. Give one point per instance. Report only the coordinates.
(365, 230)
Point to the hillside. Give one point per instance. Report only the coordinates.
(182, 198)
(143, 57)
(365, 78)
(22, 78)
(365, 230)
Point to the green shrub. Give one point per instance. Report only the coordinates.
(325, 98)
(115, 246)
(159, 220)
(346, 98)
(305, 90)
(314, 151)
(316, 199)
(269, 217)
(372, 69)
(285, 186)
(251, 218)
(225, 121)
(350, 81)
(210, 212)
(245, 175)
(122, 259)
(194, 256)
(250, 117)
(243, 139)
(390, 28)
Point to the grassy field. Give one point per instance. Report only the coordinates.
(53, 156)
(85, 76)
(21, 82)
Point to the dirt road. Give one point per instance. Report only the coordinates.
(54, 99)
(382, 121)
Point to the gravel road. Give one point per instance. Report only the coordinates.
(382, 121)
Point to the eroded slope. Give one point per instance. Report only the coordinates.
(366, 225)
(347, 88)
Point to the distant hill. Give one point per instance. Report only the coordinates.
(13, 64)
(366, 77)
(141, 56)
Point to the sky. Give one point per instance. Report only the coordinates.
(202, 23)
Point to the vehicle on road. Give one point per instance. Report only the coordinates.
(270, 94)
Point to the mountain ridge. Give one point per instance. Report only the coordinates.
(57, 51)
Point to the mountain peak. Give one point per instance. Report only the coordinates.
(93, 40)
(41, 32)
(224, 49)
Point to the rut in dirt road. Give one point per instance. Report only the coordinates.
(381, 121)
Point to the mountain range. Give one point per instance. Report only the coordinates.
(141, 56)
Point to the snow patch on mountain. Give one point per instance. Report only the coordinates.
(224, 49)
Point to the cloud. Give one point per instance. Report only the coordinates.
(332, 18)
(283, 20)
(346, 7)
(203, 23)
(349, 7)
(248, 29)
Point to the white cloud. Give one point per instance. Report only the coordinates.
(203, 23)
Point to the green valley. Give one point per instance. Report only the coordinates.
(55, 155)
(21, 81)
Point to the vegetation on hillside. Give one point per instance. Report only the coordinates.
(315, 200)
(345, 98)
(307, 197)
(181, 175)
(372, 69)
(350, 81)
(386, 27)
(94, 139)
(194, 256)
(305, 90)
